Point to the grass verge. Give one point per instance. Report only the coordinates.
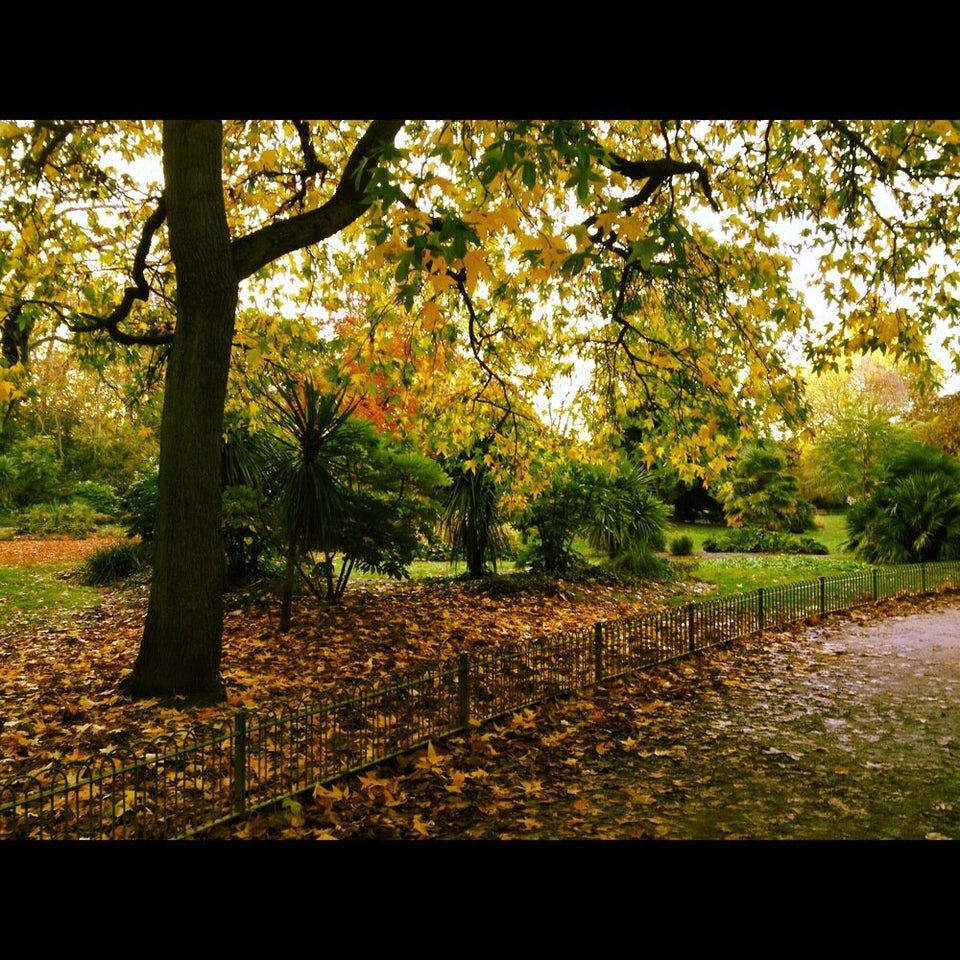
(35, 595)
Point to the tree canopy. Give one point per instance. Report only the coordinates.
(469, 272)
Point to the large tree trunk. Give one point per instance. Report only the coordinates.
(181, 646)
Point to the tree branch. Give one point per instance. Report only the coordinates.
(140, 291)
(657, 172)
(348, 204)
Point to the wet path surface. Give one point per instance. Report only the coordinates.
(848, 730)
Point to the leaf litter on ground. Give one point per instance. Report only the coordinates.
(693, 749)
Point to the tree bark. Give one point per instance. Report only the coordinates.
(181, 646)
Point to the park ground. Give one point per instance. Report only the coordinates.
(825, 731)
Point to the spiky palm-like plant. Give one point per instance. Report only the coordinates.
(628, 522)
(322, 443)
(763, 493)
(471, 520)
(913, 511)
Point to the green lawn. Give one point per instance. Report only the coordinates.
(831, 532)
(731, 574)
(40, 593)
(30, 596)
(742, 573)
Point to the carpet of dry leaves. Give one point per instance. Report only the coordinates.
(795, 734)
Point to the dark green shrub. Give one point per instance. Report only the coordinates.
(638, 561)
(140, 504)
(8, 476)
(431, 548)
(617, 513)
(101, 496)
(112, 564)
(33, 471)
(244, 539)
(74, 519)
(691, 501)
(913, 511)
(755, 540)
(681, 546)
(550, 523)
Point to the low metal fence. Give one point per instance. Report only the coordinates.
(178, 786)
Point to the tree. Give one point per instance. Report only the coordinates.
(912, 513)
(856, 417)
(762, 492)
(937, 421)
(507, 250)
(181, 646)
(325, 442)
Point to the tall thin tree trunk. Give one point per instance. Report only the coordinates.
(181, 646)
(286, 600)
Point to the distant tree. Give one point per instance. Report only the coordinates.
(34, 470)
(762, 492)
(856, 416)
(937, 421)
(838, 469)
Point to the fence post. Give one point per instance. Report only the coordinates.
(239, 763)
(923, 577)
(463, 689)
(598, 651)
(691, 627)
(876, 594)
(823, 596)
(760, 610)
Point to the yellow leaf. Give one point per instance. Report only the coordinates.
(652, 706)
(422, 827)
(430, 316)
(369, 781)
(457, 782)
(476, 267)
(254, 359)
(333, 793)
